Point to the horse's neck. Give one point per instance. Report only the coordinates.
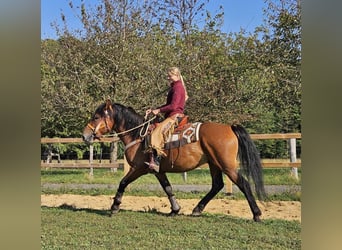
(126, 139)
(125, 136)
(130, 146)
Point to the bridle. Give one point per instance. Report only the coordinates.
(100, 126)
(142, 132)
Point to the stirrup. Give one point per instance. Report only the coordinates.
(152, 166)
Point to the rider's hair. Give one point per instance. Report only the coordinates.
(175, 71)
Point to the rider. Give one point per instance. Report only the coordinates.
(172, 110)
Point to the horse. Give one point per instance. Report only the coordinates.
(218, 145)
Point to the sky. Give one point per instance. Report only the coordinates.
(245, 14)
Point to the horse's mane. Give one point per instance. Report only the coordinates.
(127, 118)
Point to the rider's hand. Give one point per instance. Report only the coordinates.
(148, 111)
(156, 111)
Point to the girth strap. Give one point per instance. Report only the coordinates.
(176, 144)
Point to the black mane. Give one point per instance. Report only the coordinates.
(127, 118)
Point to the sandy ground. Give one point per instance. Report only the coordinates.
(286, 210)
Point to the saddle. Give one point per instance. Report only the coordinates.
(184, 133)
(182, 122)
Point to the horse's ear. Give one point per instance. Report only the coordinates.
(108, 105)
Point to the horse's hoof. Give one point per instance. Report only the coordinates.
(196, 212)
(114, 211)
(173, 213)
(256, 218)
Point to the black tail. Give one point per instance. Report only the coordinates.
(250, 160)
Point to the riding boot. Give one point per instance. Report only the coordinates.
(154, 161)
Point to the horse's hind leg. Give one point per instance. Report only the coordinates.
(216, 186)
(164, 182)
(245, 188)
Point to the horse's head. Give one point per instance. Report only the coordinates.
(101, 123)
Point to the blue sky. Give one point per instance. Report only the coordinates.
(246, 14)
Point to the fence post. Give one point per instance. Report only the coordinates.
(185, 176)
(100, 160)
(91, 158)
(293, 156)
(113, 154)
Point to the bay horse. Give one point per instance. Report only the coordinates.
(219, 145)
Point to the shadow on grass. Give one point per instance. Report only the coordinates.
(88, 210)
(109, 214)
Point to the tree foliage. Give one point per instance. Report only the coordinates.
(125, 47)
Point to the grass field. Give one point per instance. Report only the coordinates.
(67, 228)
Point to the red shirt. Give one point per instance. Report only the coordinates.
(175, 101)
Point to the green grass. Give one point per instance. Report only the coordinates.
(69, 228)
(279, 176)
(140, 186)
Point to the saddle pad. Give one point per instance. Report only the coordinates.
(188, 135)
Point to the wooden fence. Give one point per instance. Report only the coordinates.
(292, 163)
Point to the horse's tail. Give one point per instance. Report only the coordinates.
(250, 160)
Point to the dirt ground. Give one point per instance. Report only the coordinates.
(286, 210)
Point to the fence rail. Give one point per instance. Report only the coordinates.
(292, 163)
(74, 140)
(115, 139)
(275, 164)
(276, 136)
(80, 165)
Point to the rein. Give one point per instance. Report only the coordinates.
(126, 131)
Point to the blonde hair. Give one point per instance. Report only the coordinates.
(175, 71)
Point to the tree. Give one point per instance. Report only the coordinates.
(282, 57)
(126, 46)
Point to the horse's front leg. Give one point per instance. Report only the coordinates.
(132, 175)
(164, 182)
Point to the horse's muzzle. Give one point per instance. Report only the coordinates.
(88, 139)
